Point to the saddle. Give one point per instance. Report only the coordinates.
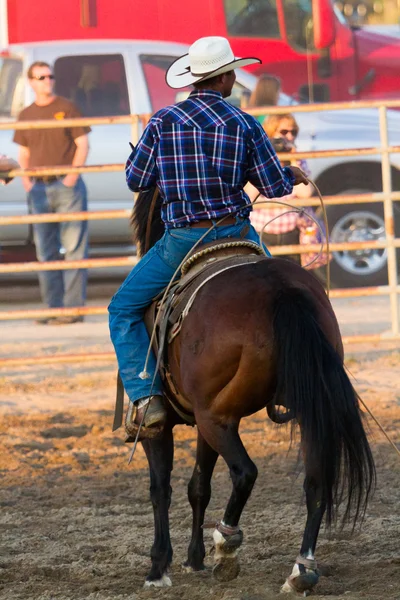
(167, 314)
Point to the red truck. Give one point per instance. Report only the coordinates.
(318, 56)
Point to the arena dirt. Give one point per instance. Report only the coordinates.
(76, 520)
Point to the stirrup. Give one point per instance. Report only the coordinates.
(132, 428)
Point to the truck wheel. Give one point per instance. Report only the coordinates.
(357, 223)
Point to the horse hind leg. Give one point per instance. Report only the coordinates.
(227, 536)
(305, 573)
(159, 452)
(199, 493)
(227, 541)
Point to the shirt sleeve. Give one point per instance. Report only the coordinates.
(74, 113)
(20, 136)
(141, 168)
(265, 171)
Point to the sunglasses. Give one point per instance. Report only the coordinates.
(294, 132)
(43, 77)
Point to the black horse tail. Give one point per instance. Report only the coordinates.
(317, 392)
(141, 213)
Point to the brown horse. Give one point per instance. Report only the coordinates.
(261, 335)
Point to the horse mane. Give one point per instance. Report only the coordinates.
(140, 217)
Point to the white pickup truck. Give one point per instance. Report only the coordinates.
(118, 77)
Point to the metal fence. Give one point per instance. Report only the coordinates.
(387, 196)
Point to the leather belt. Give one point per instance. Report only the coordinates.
(207, 223)
(46, 180)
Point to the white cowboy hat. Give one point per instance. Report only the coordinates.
(207, 57)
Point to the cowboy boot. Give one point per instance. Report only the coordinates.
(150, 413)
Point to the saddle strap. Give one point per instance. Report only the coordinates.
(119, 404)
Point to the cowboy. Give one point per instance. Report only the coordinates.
(200, 153)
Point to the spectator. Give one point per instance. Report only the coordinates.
(58, 194)
(283, 227)
(266, 93)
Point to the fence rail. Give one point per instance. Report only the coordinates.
(65, 170)
(137, 122)
(124, 213)
(101, 215)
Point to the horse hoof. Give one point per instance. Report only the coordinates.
(188, 568)
(226, 569)
(165, 581)
(301, 584)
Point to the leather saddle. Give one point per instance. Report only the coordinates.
(202, 265)
(168, 311)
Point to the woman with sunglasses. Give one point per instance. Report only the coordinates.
(286, 228)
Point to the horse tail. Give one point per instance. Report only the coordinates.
(146, 207)
(317, 391)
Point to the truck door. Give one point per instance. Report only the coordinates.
(280, 32)
(12, 197)
(312, 70)
(253, 28)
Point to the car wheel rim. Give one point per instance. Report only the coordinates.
(360, 226)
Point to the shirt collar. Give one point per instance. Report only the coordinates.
(205, 93)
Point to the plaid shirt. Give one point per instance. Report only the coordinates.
(200, 153)
(280, 219)
(284, 221)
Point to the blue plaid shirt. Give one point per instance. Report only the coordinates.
(200, 153)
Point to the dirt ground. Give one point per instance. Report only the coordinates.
(76, 520)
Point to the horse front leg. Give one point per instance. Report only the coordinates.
(160, 452)
(305, 574)
(199, 492)
(227, 536)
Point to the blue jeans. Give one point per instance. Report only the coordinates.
(146, 280)
(60, 288)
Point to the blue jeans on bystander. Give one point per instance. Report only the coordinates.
(147, 279)
(60, 288)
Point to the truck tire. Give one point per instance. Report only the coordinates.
(353, 223)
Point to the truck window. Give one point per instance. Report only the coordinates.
(10, 76)
(252, 18)
(298, 23)
(95, 83)
(154, 67)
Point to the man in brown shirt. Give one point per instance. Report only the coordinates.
(63, 194)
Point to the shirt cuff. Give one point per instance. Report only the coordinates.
(289, 173)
